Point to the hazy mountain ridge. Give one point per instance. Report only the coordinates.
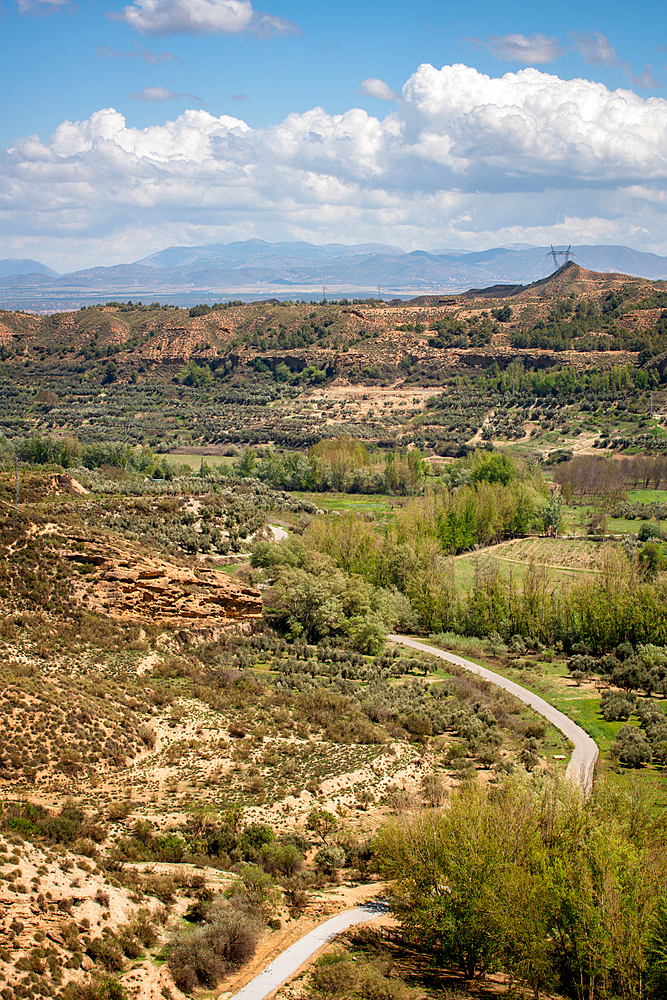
(259, 268)
(24, 265)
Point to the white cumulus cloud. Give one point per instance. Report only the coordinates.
(377, 88)
(463, 159)
(201, 17)
(187, 139)
(170, 17)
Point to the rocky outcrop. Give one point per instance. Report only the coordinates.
(129, 586)
(67, 484)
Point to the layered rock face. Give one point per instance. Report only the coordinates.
(134, 587)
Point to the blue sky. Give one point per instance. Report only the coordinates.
(524, 140)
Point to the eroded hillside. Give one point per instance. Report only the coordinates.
(287, 374)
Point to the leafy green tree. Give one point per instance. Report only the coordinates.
(632, 675)
(194, 374)
(110, 373)
(247, 464)
(648, 531)
(330, 859)
(457, 526)
(256, 890)
(494, 469)
(405, 471)
(320, 600)
(282, 859)
(552, 514)
(631, 747)
(369, 633)
(322, 823)
(561, 894)
(270, 555)
(503, 315)
(651, 560)
(349, 541)
(444, 868)
(312, 601)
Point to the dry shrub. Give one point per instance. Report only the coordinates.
(147, 735)
(161, 886)
(296, 895)
(202, 956)
(233, 934)
(336, 977)
(434, 789)
(106, 989)
(86, 846)
(193, 963)
(119, 810)
(106, 952)
(376, 986)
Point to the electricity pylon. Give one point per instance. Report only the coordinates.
(555, 254)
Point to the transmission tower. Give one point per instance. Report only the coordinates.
(557, 254)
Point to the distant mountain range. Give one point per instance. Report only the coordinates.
(255, 268)
(24, 265)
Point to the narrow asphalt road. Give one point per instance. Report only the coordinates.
(279, 534)
(585, 753)
(291, 960)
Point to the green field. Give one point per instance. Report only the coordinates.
(379, 504)
(194, 461)
(577, 516)
(647, 496)
(563, 558)
(577, 521)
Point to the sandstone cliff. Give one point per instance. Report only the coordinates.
(136, 587)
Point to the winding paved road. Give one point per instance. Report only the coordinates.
(580, 769)
(585, 753)
(291, 960)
